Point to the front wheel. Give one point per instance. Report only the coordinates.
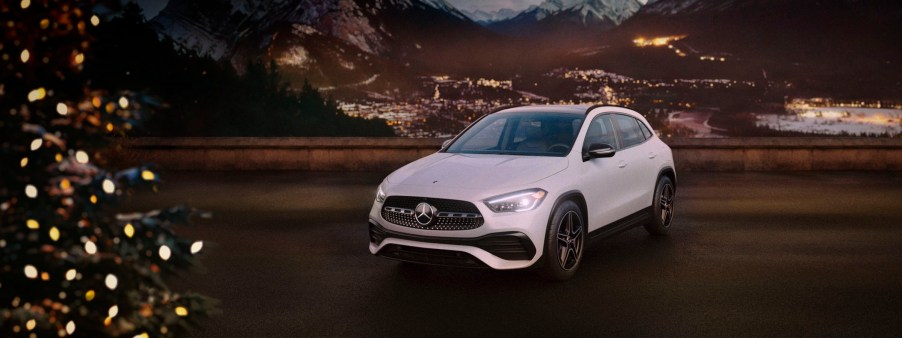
(662, 207)
(564, 242)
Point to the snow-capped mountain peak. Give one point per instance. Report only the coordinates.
(588, 11)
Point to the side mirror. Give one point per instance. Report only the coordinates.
(446, 143)
(598, 150)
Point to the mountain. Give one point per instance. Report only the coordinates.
(485, 18)
(568, 17)
(330, 42)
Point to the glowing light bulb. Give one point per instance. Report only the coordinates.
(25, 55)
(95, 20)
(32, 224)
(25, 4)
(181, 311)
(79, 58)
(123, 102)
(30, 324)
(148, 175)
(54, 234)
(70, 327)
(111, 282)
(90, 247)
(113, 311)
(129, 230)
(196, 246)
(62, 109)
(23, 162)
(89, 296)
(37, 94)
(36, 144)
(165, 252)
(82, 157)
(70, 275)
(31, 191)
(108, 186)
(142, 335)
(30, 271)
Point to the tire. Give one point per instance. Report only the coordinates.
(662, 207)
(565, 242)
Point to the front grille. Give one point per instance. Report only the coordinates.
(450, 214)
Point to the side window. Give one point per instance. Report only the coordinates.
(601, 131)
(629, 131)
(644, 129)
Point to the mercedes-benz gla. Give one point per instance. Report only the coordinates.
(527, 186)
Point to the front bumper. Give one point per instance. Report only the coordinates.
(501, 250)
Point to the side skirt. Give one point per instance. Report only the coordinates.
(633, 220)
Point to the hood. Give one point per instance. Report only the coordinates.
(477, 171)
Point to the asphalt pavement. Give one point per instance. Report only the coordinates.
(751, 254)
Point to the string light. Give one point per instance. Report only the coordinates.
(31, 191)
(65, 184)
(89, 296)
(23, 162)
(36, 144)
(129, 230)
(165, 252)
(25, 55)
(196, 246)
(30, 324)
(181, 311)
(81, 157)
(93, 199)
(62, 109)
(32, 224)
(37, 94)
(142, 335)
(95, 20)
(108, 186)
(70, 275)
(54, 234)
(79, 58)
(123, 102)
(111, 282)
(148, 175)
(114, 310)
(25, 4)
(90, 247)
(30, 271)
(70, 327)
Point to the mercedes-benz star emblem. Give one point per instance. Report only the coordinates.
(424, 213)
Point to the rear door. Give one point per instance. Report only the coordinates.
(636, 164)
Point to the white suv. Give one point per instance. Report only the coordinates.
(527, 186)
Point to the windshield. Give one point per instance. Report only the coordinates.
(533, 133)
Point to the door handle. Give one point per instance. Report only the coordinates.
(621, 164)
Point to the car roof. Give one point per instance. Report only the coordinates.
(567, 108)
(550, 108)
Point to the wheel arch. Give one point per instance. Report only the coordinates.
(670, 173)
(577, 197)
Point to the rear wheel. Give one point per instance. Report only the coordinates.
(564, 242)
(662, 207)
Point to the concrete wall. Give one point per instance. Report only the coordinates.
(386, 154)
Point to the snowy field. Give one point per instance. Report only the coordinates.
(836, 121)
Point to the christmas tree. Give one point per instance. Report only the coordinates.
(69, 264)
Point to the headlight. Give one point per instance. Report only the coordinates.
(523, 200)
(380, 195)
